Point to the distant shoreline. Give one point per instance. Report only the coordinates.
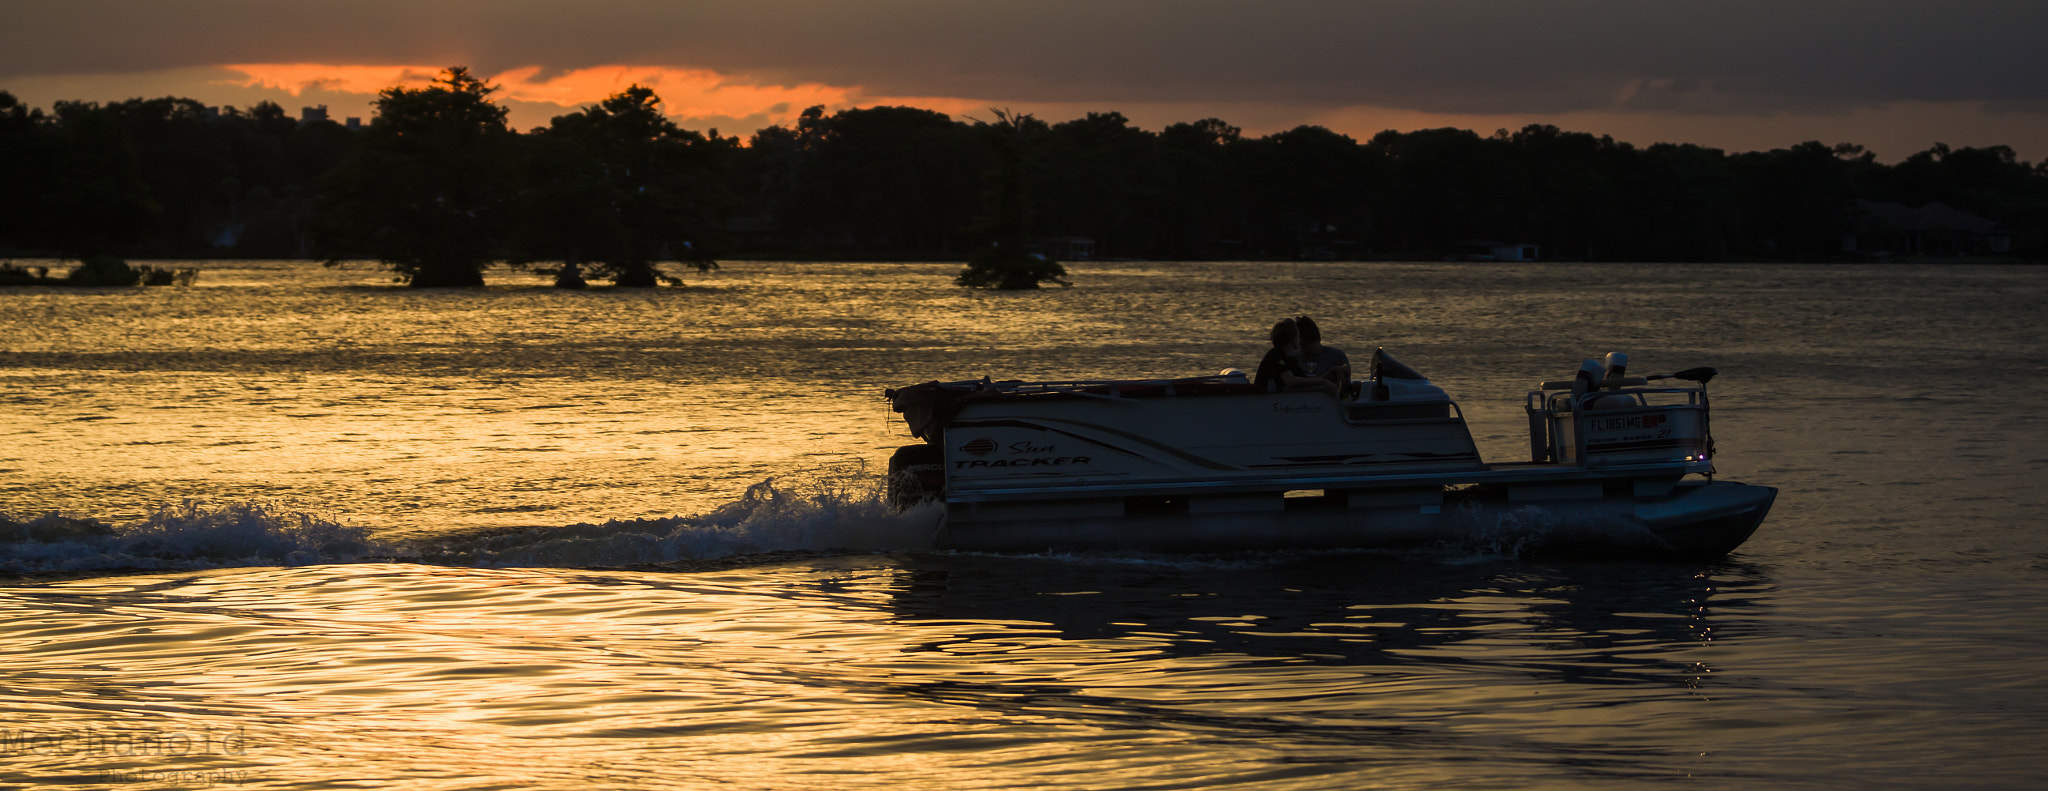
(58, 267)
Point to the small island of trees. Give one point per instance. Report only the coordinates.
(439, 187)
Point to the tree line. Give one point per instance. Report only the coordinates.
(440, 187)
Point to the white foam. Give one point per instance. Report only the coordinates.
(815, 513)
(1487, 532)
(819, 512)
(192, 535)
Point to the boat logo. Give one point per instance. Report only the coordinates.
(979, 446)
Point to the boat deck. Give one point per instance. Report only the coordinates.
(1502, 473)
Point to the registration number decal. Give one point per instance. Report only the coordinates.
(1627, 423)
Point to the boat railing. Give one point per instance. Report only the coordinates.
(1099, 388)
(1618, 421)
(1380, 413)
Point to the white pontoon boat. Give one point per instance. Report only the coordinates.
(1618, 464)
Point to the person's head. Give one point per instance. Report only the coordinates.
(1284, 334)
(1311, 336)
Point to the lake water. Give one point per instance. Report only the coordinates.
(524, 538)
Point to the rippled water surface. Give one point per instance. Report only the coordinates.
(366, 537)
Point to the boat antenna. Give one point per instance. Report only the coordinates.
(1701, 375)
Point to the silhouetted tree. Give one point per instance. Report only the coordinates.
(772, 174)
(439, 188)
(429, 189)
(1448, 185)
(1311, 189)
(1203, 209)
(623, 186)
(1097, 177)
(897, 179)
(1006, 261)
(1575, 190)
(1677, 203)
(96, 201)
(1797, 203)
(271, 199)
(26, 156)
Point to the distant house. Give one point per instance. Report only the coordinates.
(754, 233)
(1483, 250)
(312, 115)
(228, 234)
(1515, 252)
(1064, 248)
(1933, 229)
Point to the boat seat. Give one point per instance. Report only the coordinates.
(1612, 401)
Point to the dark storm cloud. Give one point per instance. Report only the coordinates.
(1437, 55)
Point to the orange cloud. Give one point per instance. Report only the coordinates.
(294, 78)
(685, 93)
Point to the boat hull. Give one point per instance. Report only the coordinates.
(1215, 465)
(1697, 521)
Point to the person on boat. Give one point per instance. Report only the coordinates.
(1281, 369)
(1317, 360)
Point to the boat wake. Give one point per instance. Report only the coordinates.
(804, 513)
(818, 513)
(1482, 532)
(192, 535)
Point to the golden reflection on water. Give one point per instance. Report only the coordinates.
(991, 671)
(1848, 644)
(521, 405)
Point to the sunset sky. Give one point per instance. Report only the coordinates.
(1894, 75)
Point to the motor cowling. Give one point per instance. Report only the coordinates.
(917, 475)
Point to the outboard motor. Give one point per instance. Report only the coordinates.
(1591, 373)
(1587, 379)
(1617, 369)
(1617, 366)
